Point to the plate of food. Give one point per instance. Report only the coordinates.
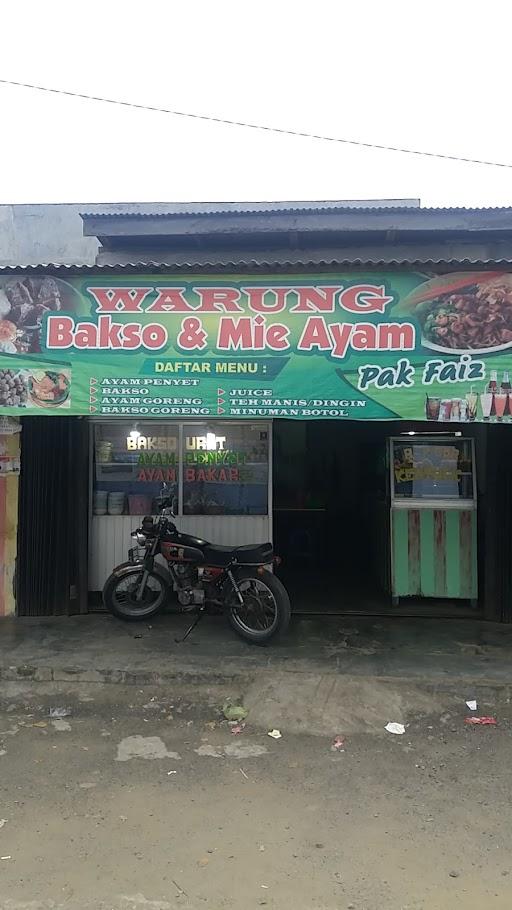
(464, 312)
(25, 301)
(49, 388)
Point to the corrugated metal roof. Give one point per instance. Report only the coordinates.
(237, 265)
(50, 236)
(334, 226)
(157, 210)
(285, 208)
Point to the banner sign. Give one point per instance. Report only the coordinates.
(358, 346)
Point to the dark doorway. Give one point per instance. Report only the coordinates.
(51, 566)
(330, 492)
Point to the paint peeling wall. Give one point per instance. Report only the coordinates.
(434, 553)
(9, 483)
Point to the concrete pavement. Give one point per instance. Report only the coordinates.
(99, 648)
(329, 673)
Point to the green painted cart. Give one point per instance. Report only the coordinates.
(433, 518)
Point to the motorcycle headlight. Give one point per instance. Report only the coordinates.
(139, 537)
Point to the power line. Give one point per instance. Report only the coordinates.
(257, 126)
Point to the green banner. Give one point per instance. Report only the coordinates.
(351, 346)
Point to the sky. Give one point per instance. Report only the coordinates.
(430, 76)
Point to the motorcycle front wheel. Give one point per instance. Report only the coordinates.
(265, 612)
(120, 594)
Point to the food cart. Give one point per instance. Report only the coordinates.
(433, 517)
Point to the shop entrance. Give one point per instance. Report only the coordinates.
(331, 518)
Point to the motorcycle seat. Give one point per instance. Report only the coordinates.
(247, 555)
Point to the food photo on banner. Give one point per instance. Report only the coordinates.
(360, 346)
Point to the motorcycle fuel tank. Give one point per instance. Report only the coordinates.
(189, 540)
(176, 551)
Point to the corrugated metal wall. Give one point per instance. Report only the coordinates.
(110, 537)
(496, 526)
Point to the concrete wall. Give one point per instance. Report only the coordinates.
(34, 234)
(43, 234)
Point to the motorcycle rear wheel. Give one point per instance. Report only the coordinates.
(266, 611)
(120, 595)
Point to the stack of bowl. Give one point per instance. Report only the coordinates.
(103, 451)
(115, 503)
(99, 502)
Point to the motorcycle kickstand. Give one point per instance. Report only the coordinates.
(191, 628)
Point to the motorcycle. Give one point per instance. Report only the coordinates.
(205, 577)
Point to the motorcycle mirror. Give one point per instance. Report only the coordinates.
(165, 501)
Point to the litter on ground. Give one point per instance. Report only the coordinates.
(338, 744)
(395, 728)
(275, 734)
(59, 712)
(472, 704)
(235, 713)
(482, 721)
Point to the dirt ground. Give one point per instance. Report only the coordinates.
(145, 800)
